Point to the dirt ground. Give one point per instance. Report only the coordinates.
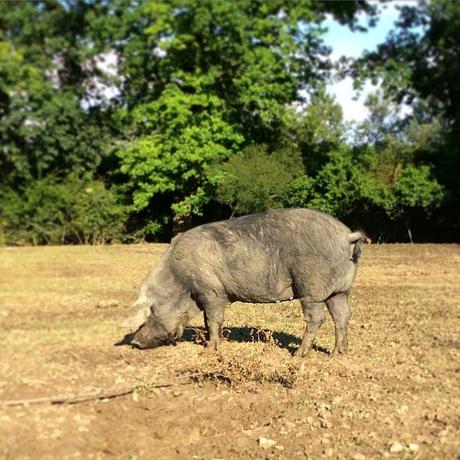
(395, 395)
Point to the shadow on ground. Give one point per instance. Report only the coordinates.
(239, 334)
(126, 340)
(249, 335)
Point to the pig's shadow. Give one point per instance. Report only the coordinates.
(126, 340)
(250, 335)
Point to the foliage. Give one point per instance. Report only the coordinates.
(255, 180)
(321, 130)
(395, 180)
(217, 107)
(221, 76)
(185, 135)
(382, 176)
(421, 57)
(336, 188)
(49, 211)
(46, 74)
(411, 188)
(415, 188)
(419, 64)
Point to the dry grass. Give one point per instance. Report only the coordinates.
(59, 319)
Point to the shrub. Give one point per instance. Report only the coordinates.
(255, 180)
(49, 211)
(335, 189)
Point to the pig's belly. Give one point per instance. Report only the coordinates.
(260, 277)
(257, 294)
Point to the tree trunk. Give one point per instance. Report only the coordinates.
(409, 232)
(180, 224)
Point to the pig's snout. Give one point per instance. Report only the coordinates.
(144, 338)
(151, 335)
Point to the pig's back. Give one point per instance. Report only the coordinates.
(253, 258)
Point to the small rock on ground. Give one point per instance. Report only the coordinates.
(396, 447)
(266, 443)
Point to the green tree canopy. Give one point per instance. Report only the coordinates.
(201, 79)
(47, 70)
(419, 64)
(134, 119)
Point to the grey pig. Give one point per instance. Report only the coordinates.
(278, 255)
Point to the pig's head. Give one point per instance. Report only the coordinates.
(153, 334)
(161, 323)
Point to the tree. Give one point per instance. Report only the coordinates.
(335, 188)
(185, 135)
(47, 69)
(419, 64)
(210, 77)
(398, 181)
(421, 57)
(320, 130)
(52, 211)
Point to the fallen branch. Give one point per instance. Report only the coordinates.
(74, 399)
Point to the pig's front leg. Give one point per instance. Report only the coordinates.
(214, 309)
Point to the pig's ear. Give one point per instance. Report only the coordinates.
(135, 321)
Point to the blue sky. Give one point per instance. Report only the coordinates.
(344, 42)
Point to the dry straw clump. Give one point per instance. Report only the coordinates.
(245, 366)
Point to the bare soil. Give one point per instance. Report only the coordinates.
(395, 395)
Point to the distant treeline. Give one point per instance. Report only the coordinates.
(129, 121)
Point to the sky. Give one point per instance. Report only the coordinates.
(344, 42)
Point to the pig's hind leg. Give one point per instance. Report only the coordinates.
(313, 307)
(315, 317)
(340, 312)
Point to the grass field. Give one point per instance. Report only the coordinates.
(395, 395)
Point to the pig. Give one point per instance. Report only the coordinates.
(274, 256)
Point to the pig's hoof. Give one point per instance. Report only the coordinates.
(212, 345)
(338, 351)
(301, 353)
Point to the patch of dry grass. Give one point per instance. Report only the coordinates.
(250, 367)
(60, 309)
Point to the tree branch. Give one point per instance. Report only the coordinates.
(74, 399)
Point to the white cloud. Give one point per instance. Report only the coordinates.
(353, 106)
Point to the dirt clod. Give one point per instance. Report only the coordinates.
(359, 457)
(266, 443)
(396, 447)
(111, 303)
